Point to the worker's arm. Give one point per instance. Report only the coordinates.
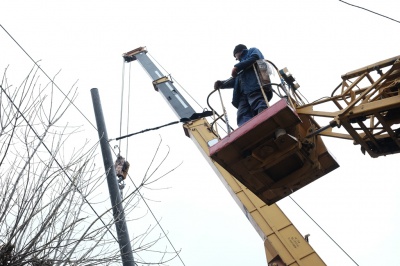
(224, 84)
(228, 84)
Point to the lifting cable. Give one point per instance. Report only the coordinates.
(121, 165)
(129, 100)
(132, 134)
(122, 107)
(122, 104)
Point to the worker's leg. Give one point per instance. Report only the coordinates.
(257, 102)
(244, 112)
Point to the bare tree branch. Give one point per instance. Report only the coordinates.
(51, 208)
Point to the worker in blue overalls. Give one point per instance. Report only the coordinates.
(247, 95)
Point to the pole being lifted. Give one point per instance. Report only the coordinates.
(115, 196)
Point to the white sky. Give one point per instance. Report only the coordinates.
(357, 204)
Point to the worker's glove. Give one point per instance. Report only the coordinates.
(217, 85)
(234, 72)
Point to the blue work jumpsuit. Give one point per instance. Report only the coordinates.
(247, 95)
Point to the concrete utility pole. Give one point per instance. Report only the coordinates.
(115, 196)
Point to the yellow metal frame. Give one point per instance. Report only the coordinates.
(368, 106)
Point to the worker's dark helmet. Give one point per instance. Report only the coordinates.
(239, 48)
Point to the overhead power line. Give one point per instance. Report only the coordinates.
(370, 11)
(145, 130)
(52, 81)
(309, 216)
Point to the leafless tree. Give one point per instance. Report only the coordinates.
(50, 210)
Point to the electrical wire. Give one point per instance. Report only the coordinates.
(158, 223)
(52, 81)
(145, 130)
(370, 11)
(324, 231)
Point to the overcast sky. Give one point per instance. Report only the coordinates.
(318, 41)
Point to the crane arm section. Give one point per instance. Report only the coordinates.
(165, 86)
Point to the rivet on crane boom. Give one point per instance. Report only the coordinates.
(281, 150)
